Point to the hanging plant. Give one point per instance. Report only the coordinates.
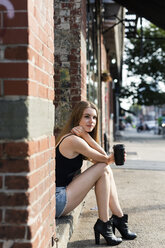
(106, 77)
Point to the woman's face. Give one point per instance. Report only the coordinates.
(88, 119)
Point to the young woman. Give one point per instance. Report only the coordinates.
(78, 140)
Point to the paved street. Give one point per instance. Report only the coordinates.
(141, 188)
(145, 150)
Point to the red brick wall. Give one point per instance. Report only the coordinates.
(27, 158)
(70, 57)
(83, 51)
(106, 95)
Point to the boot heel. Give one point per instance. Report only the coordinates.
(121, 223)
(97, 238)
(105, 229)
(113, 228)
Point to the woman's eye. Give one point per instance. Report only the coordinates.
(87, 116)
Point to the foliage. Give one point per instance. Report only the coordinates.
(145, 59)
(128, 119)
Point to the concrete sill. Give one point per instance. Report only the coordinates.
(65, 226)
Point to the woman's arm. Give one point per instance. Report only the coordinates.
(79, 145)
(79, 131)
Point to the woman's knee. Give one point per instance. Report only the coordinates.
(101, 165)
(110, 172)
(105, 169)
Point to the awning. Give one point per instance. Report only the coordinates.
(153, 10)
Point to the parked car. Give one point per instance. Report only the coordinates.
(151, 124)
(146, 126)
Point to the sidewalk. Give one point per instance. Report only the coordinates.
(141, 188)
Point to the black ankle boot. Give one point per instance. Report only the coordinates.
(105, 229)
(121, 223)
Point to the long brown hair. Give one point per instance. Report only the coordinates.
(75, 118)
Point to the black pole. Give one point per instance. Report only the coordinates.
(98, 30)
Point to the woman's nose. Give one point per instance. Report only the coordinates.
(91, 120)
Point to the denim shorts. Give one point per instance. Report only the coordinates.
(61, 200)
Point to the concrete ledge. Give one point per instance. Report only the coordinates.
(25, 117)
(66, 225)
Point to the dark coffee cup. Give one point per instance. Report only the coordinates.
(119, 151)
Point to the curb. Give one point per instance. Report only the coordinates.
(66, 225)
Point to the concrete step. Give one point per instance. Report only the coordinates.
(65, 227)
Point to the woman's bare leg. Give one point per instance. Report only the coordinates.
(102, 191)
(114, 200)
(76, 191)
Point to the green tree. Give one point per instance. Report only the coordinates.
(128, 119)
(145, 60)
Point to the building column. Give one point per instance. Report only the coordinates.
(70, 57)
(27, 156)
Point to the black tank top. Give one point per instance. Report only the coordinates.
(66, 168)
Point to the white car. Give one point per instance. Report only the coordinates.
(151, 124)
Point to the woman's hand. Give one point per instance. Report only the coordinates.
(125, 156)
(111, 158)
(79, 131)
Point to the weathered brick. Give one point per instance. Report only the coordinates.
(75, 91)
(67, 5)
(57, 77)
(74, 71)
(22, 245)
(37, 177)
(12, 232)
(1, 150)
(15, 70)
(43, 92)
(15, 87)
(14, 199)
(52, 141)
(15, 36)
(32, 88)
(36, 241)
(74, 65)
(76, 98)
(33, 147)
(16, 182)
(43, 144)
(15, 149)
(1, 179)
(76, 11)
(36, 43)
(20, 5)
(75, 26)
(19, 52)
(16, 216)
(73, 58)
(33, 229)
(51, 94)
(14, 166)
(0, 215)
(2, 8)
(75, 51)
(20, 20)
